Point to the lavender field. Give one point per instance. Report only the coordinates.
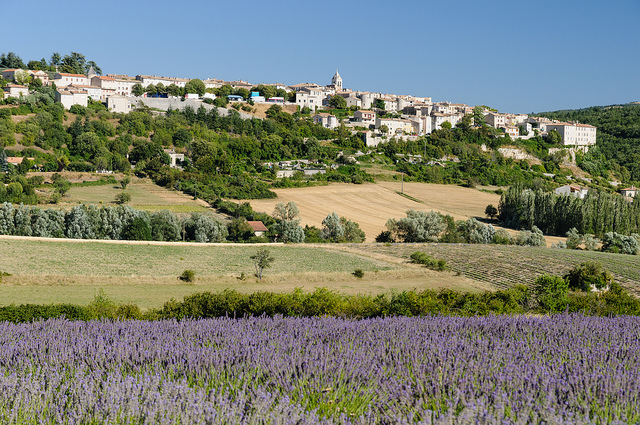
(566, 369)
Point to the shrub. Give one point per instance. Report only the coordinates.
(358, 273)
(588, 276)
(533, 237)
(137, 230)
(551, 293)
(123, 198)
(502, 237)
(188, 276)
(420, 257)
(615, 242)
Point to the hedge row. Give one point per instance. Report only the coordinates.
(517, 300)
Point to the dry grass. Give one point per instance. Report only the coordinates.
(145, 195)
(56, 271)
(371, 205)
(152, 293)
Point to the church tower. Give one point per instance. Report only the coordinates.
(91, 73)
(336, 81)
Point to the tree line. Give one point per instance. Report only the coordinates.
(121, 222)
(598, 213)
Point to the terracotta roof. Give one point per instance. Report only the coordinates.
(257, 226)
(72, 75)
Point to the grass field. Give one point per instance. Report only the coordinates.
(145, 195)
(56, 271)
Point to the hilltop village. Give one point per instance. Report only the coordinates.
(380, 115)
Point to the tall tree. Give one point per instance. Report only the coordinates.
(194, 86)
(11, 60)
(56, 59)
(95, 66)
(75, 63)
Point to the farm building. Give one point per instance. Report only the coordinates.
(571, 190)
(258, 227)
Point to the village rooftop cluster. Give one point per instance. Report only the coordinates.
(411, 116)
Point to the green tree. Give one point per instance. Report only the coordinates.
(551, 293)
(151, 90)
(588, 276)
(62, 186)
(262, 260)
(195, 86)
(125, 182)
(123, 198)
(379, 103)
(554, 138)
(22, 77)
(174, 90)
(384, 129)
(478, 116)
(332, 229)
(418, 226)
(96, 68)
(75, 63)
(137, 230)
(56, 59)
(338, 102)
(137, 89)
(11, 60)
(491, 211)
(288, 227)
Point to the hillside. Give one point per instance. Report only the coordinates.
(618, 139)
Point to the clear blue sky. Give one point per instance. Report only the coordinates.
(516, 56)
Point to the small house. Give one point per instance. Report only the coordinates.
(571, 190)
(259, 229)
(630, 191)
(16, 90)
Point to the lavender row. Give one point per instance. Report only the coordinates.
(559, 369)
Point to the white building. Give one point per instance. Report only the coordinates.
(336, 81)
(325, 120)
(62, 79)
(15, 90)
(395, 126)
(119, 104)
(437, 119)
(71, 96)
(174, 157)
(570, 190)
(575, 134)
(146, 80)
(310, 97)
(365, 117)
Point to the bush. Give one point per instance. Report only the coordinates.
(617, 243)
(551, 293)
(588, 276)
(358, 273)
(420, 257)
(123, 198)
(188, 276)
(137, 230)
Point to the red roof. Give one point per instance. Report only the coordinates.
(73, 75)
(257, 226)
